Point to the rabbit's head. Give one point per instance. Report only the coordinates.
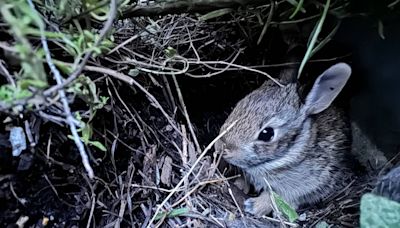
(273, 119)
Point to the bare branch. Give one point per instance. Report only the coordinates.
(184, 6)
(189, 172)
(60, 83)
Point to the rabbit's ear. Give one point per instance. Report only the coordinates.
(327, 86)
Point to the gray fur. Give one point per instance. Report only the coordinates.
(389, 185)
(304, 162)
(327, 87)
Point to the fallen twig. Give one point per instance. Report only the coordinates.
(178, 7)
(70, 119)
(189, 172)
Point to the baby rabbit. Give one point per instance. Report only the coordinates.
(296, 148)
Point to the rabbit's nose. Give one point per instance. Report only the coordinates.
(228, 148)
(225, 147)
(226, 151)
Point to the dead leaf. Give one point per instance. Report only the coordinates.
(166, 171)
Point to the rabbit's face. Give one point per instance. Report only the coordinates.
(268, 120)
(272, 120)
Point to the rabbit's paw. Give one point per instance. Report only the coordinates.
(259, 206)
(242, 184)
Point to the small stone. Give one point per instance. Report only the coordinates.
(7, 120)
(21, 221)
(18, 140)
(302, 217)
(166, 171)
(45, 221)
(168, 128)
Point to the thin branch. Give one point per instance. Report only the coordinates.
(188, 173)
(131, 81)
(267, 23)
(200, 185)
(70, 119)
(4, 71)
(186, 114)
(237, 205)
(229, 65)
(279, 221)
(184, 6)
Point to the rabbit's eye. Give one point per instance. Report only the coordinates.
(266, 135)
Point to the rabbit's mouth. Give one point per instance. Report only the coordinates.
(234, 160)
(239, 163)
(246, 162)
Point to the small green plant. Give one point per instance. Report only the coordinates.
(84, 41)
(32, 75)
(24, 92)
(285, 208)
(86, 132)
(85, 88)
(172, 213)
(9, 93)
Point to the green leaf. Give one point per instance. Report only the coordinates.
(5, 93)
(86, 133)
(377, 211)
(215, 14)
(100, 104)
(66, 69)
(133, 72)
(78, 117)
(50, 35)
(20, 94)
(10, 93)
(173, 213)
(33, 15)
(98, 144)
(80, 41)
(285, 208)
(88, 34)
(25, 83)
(170, 52)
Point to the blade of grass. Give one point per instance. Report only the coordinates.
(215, 14)
(299, 7)
(314, 38)
(380, 30)
(173, 213)
(285, 208)
(325, 40)
(267, 23)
